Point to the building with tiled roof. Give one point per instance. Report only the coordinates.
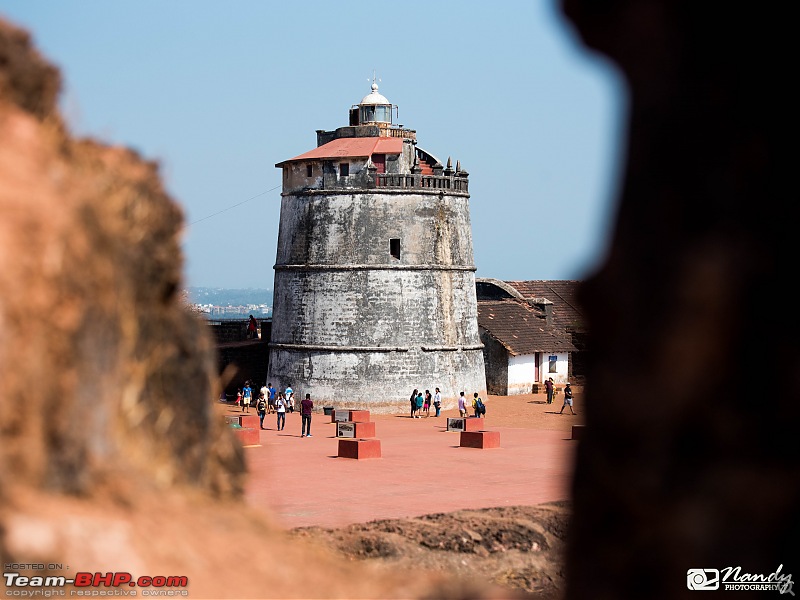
(531, 330)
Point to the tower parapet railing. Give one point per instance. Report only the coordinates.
(388, 130)
(439, 182)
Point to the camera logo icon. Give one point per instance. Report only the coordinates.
(702, 579)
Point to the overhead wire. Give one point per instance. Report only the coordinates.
(234, 206)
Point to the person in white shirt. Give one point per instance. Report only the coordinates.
(437, 401)
(462, 405)
(280, 408)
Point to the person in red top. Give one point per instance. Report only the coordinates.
(306, 407)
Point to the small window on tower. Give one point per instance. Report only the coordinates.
(309, 170)
(344, 169)
(394, 248)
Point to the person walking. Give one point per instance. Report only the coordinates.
(413, 400)
(247, 395)
(548, 386)
(462, 405)
(567, 400)
(306, 408)
(280, 409)
(426, 406)
(478, 405)
(437, 401)
(264, 393)
(270, 398)
(239, 397)
(261, 409)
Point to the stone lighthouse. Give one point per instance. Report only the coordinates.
(374, 289)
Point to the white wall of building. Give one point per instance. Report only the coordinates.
(522, 371)
(521, 374)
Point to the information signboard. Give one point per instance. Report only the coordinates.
(345, 430)
(455, 424)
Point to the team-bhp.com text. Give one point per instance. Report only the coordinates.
(33, 586)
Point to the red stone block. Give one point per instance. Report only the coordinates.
(356, 430)
(465, 424)
(244, 420)
(249, 420)
(359, 416)
(365, 430)
(358, 448)
(474, 424)
(247, 436)
(480, 439)
(577, 431)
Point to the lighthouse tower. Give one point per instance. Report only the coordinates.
(374, 289)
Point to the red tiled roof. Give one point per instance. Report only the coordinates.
(351, 148)
(563, 294)
(520, 329)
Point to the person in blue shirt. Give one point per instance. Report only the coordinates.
(247, 395)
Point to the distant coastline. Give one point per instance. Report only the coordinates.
(231, 303)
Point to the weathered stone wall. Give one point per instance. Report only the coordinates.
(353, 227)
(351, 320)
(495, 358)
(229, 330)
(377, 381)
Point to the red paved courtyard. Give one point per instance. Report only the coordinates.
(301, 482)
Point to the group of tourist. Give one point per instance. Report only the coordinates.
(478, 407)
(421, 403)
(269, 401)
(272, 401)
(549, 389)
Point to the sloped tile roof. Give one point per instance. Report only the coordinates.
(351, 148)
(520, 329)
(563, 293)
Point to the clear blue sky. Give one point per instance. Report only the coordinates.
(218, 92)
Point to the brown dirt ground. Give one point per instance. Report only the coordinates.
(519, 548)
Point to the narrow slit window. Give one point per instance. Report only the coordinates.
(309, 170)
(344, 169)
(394, 248)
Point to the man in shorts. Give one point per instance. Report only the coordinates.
(247, 395)
(567, 400)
